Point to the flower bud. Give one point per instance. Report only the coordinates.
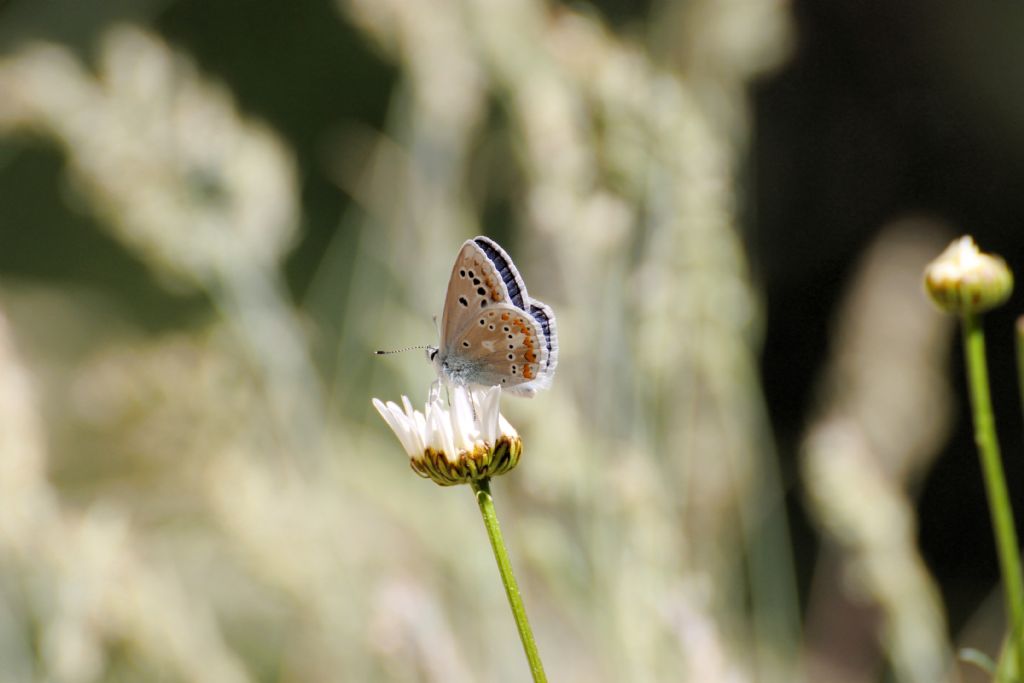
(963, 280)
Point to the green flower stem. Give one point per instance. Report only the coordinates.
(1020, 358)
(995, 481)
(482, 489)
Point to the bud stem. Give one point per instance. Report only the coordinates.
(995, 481)
(482, 489)
(1020, 357)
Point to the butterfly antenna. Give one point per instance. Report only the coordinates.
(388, 352)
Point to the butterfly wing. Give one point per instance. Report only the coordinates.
(545, 317)
(492, 332)
(501, 345)
(502, 264)
(475, 284)
(516, 289)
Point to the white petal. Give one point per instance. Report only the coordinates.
(448, 435)
(457, 417)
(410, 439)
(489, 410)
(421, 428)
(415, 420)
(382, 409)
(434, 431)
(466, 432)
(394, 421)
(436, 436)
(506, 428)
(416, 436)
(399, 425)
(476, 394)
(430, 428)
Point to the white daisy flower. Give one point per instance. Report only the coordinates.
(466, 441)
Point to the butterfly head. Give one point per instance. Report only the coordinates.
(434, 358)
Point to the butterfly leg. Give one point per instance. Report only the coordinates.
(435, 391)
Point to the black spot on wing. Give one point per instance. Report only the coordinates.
(504, 268)
(541, 316)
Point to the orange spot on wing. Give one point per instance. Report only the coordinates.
(504, 316)
(528, 372)
(495, 292)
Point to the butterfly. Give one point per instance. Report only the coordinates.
(492, 332)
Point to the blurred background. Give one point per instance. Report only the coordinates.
(755, 463)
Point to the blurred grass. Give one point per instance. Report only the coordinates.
(196, 485)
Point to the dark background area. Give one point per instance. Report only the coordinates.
(883, 109)
(887, 109)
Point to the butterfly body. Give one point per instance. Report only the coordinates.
(492, 332)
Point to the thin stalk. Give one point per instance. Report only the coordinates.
(482, 489)
(995, 481)
(1020, 358)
